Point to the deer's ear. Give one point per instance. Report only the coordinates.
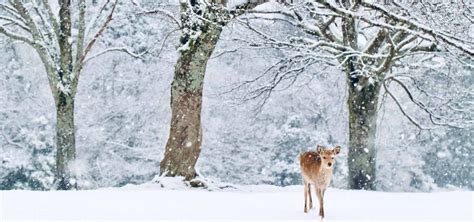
(319, 148)
(337, 150)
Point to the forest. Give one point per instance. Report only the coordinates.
(112, 93)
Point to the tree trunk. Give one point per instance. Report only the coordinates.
(184, 142)
(65, 142)
(362, 103)
(64, 98)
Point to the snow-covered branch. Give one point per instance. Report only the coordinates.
(12, 21)
(279, 76)
(434, 118)
(51, 17)
(167, 14)
(16, 36)
(92, 41)
(117, 49)
(81, 33)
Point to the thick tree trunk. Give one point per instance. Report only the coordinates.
(362, 103)
(65, 142)
(184, 142)
(64, 98)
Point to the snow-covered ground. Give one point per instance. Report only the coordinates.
(151, 201)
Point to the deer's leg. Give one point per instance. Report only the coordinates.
(310, 198)
(319, 193)
(322, 201)
(305, 196)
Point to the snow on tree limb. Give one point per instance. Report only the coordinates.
(16, 36)
(435, 119)
(116, 49)
(162, 12)
(460, 44)
(13, 21)
(104, 26)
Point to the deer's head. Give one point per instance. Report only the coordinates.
(327, 155)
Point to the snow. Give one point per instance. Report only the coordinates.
(235, 3)
(258, 202)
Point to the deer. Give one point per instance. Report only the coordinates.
(316, 170)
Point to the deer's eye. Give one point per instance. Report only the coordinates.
(332, 158)
(324, 157)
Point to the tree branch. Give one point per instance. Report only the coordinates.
(15, 22)
(419, 104)
(117, 49)
(16, 36)
(444, 37)
(89, 46)
(164, 13)
(81, 30)
(51, 18)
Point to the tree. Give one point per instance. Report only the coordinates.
(366, 41)
(201, 24)
(63, 54)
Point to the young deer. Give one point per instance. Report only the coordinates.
(316, 169)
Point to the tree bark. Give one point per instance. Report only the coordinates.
(65, 142)
(362, 103)
(64, 99)
(184, 143)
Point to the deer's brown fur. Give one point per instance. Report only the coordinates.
(316, 170)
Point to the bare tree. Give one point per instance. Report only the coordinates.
(62, 39)
(366, 41)
(201, 24)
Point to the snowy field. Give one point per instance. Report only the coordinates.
(150, 201)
